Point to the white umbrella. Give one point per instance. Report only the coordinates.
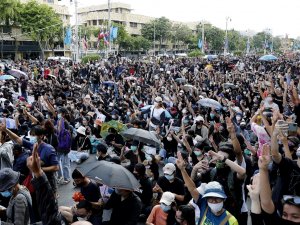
(208, 102)
(17, 73)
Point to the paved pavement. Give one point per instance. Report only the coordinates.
(66, 191)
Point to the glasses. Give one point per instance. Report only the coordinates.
(292, 199)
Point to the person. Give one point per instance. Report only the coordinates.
(6, 150)
(185, 215)
(200, 129)
(126, 207)
(88, 188)
(83, 145)
(18, 210)
(170, 183)
(20, 159)
(115, 140)
(145, 193)
(163, 214)
(47, 152)
(82, 211)
(291, 203)
(211, 202)
(102, 152)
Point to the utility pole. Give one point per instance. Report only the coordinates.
(202, 47)
(76, 33)
(109, 25)
(226, 36)
(154, 38)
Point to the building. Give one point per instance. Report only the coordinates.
(14, 45)
(97, 15)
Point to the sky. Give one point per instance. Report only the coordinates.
(280, 16)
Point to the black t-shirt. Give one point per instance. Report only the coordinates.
(91, 192)
(176, 187)
(279, 101)
(170, 146)
(106, 158)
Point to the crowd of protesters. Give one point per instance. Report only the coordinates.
(229, 150)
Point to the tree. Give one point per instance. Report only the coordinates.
(140, 43)
(10, 11)
(162, 29)
(181, 34)
(236, 41)
(214, 36)
(41, 23)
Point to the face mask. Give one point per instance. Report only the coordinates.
(197, 153)
(113, 117)
(220, 165)
(32, 139)
(133, 148)
(212, 115)
(128, 113)
(59, 116)
(244, 92)
(185, 121)
(269, 99)
(184, 111)
(215, 207)
(165, 208)
(169, 177)
(238, 118)
(6, 194)
(169, 138)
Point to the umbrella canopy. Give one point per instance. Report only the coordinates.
(268, 58)
(17, 73)
(141, 135)
(229, 85)
(109, 83)
(208, 102)
(111, 174)
(180, 80)
(130, 78)
(114, 124)
(6, 77)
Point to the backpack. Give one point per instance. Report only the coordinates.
(64, 139)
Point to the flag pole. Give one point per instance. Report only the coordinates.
(109, 25)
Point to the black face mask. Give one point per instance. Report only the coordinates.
(80, 184)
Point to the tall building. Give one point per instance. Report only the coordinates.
(14, 45)
(97, 15)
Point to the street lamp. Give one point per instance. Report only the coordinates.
(154, 38)
(226, 36)
(202, 47)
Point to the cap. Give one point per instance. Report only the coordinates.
(167, 198)
(87, 97)
(214, 189)
(81, 130)
(8, 179)
(199, 118)
(158, 99)
(169, 168)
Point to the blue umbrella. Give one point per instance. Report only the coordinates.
(7, 77)
(208, 102)
(268, 58)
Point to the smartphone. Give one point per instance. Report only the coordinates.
(292, 129)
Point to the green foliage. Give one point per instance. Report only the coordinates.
(195, 53)
(236, 41)
(10, 11)
(181, 33)
(41, 23)
(139, 43)
(88, 58)
(162, 28)
(214, 36)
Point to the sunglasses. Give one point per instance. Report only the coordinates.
(291, 198)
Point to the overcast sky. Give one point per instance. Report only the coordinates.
(281, 16)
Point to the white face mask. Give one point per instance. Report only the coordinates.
(184, 111)
(169, 138)
(155, 104)
(215, 207)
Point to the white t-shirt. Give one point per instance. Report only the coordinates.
(156, 114)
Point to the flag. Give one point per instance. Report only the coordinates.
(226, 44)
(84, 42)
(200, 43)
(68, 36)
(115, 32)
(106, 42)
(266, 44)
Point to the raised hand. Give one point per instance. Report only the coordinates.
(254, 188)
(180, 162)
(265, 158)
(34, 162)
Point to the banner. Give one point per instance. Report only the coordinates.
(200, 43)
(68, 36)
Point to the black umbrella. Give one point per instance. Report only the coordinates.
(110, 174)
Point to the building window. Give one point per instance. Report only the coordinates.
(49, 1)
(134, 25)
(94, 22)
(117, 10)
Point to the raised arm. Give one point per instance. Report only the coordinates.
(11, 134)
(265, 193)
(235, 142)
(189, 183)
